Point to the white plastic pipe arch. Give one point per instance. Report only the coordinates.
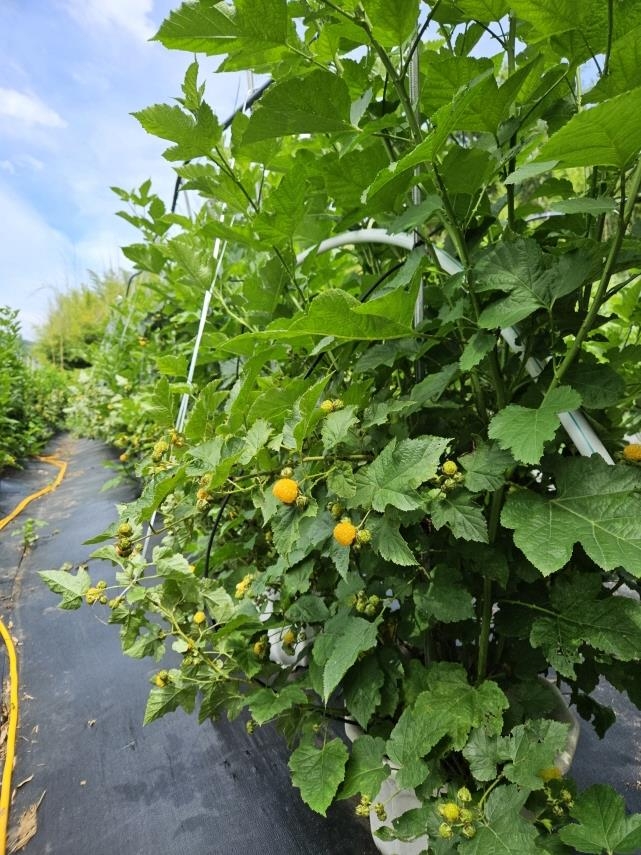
(576, 425)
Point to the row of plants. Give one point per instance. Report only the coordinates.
(32, 396)
(371, 514)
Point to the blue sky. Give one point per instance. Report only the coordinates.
(71, 72)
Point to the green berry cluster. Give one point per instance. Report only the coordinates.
(459, 816)
(369, 606)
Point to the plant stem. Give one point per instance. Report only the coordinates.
(488, 598)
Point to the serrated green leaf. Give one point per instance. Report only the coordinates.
(601, 823)
(318, 102)
(193, 137)
(70, 586)
(482, 753)
(524, 431)
(531, 748)
(392, 478)
(340, 481)
(318, 772)
(346, 638)
(477, 347)
(623, 68)
(464, 519)
(366, 769)
(390, 544)
(609, 624)
(445, 599)
(485, 467)
(255, 439)
(362, 689)
(392, 25)
(200, 27)
(337, 427)
(584, 205)
(267, 704)
(608, 134)
(307, 609)
(506, 831)
(598, 384)
(167, 699)
(595, 504)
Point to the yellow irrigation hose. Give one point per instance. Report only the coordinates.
(5, 791)
(62, 468)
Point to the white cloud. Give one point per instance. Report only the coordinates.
(29, 109)
(132, 16)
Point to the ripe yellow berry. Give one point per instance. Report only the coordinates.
(260, 648)
(124, 457)
(345, 533)
(327, 406)
(449, 468)
(125, 530)
(632, 452)
(161, 679)
(199, 617)
(244, 585)
(450, 812)
(285, 490)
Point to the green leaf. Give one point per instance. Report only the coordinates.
(476, 348)
(255, 440)
(485, 467)
(598, 384)
(609, 624)
(346, 637)
(392, 25)
(482, 753)
(70, 587)
(390, 544)
(167, 699)
(319, 102)
(623, 68)
(602, 824)
(595, 504)
(392, 478)
(337, 427)
(484, 10)
(464, 519)
(362, 689)
(340, 481)
(366, 769)
(584, 205)
(451, 708)
(200, 27)
(524, 431)
(506, 831)
(318, 772)
(267, 704)
(530, 748)
(307, 609)
(445, 599)
(608, 134)
(416, 215)
(193, 137)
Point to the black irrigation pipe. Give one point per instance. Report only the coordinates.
(255, 96)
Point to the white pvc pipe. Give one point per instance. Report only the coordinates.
(576, 425)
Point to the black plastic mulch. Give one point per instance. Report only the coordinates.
(111, 785)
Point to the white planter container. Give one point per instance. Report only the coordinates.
(397, 800)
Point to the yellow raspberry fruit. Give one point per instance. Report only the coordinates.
(199, 617)
(327, 406)
(345, 533)
(244, 585)
(259, 648)
(285, 490)
(449, 468)
(450, 812)
(632, 452)
(161, 679)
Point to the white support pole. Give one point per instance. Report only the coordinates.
(576, 425)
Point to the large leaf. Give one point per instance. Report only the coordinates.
(524, 431)
(608, 134)
(485, 467)
(392, 478)
(193, 137)
(529, 749)
(344, 638)
(167, 699)
(362, 689)
(601, 824)
(506, 831)
(267, 704)
(366, 769)
(318, 772)
(390, 543)
(594, 504)
(319, 102)
(623, 69)
(71, 587)
(609, 624)
(200, 27)
(459, 513)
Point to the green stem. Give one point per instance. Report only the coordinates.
(626, 209)
(488, 598)
(511, 65)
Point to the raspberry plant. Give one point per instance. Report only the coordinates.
(477, 551)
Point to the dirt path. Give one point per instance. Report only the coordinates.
(112, 786)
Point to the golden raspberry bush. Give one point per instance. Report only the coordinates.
(376, 517)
